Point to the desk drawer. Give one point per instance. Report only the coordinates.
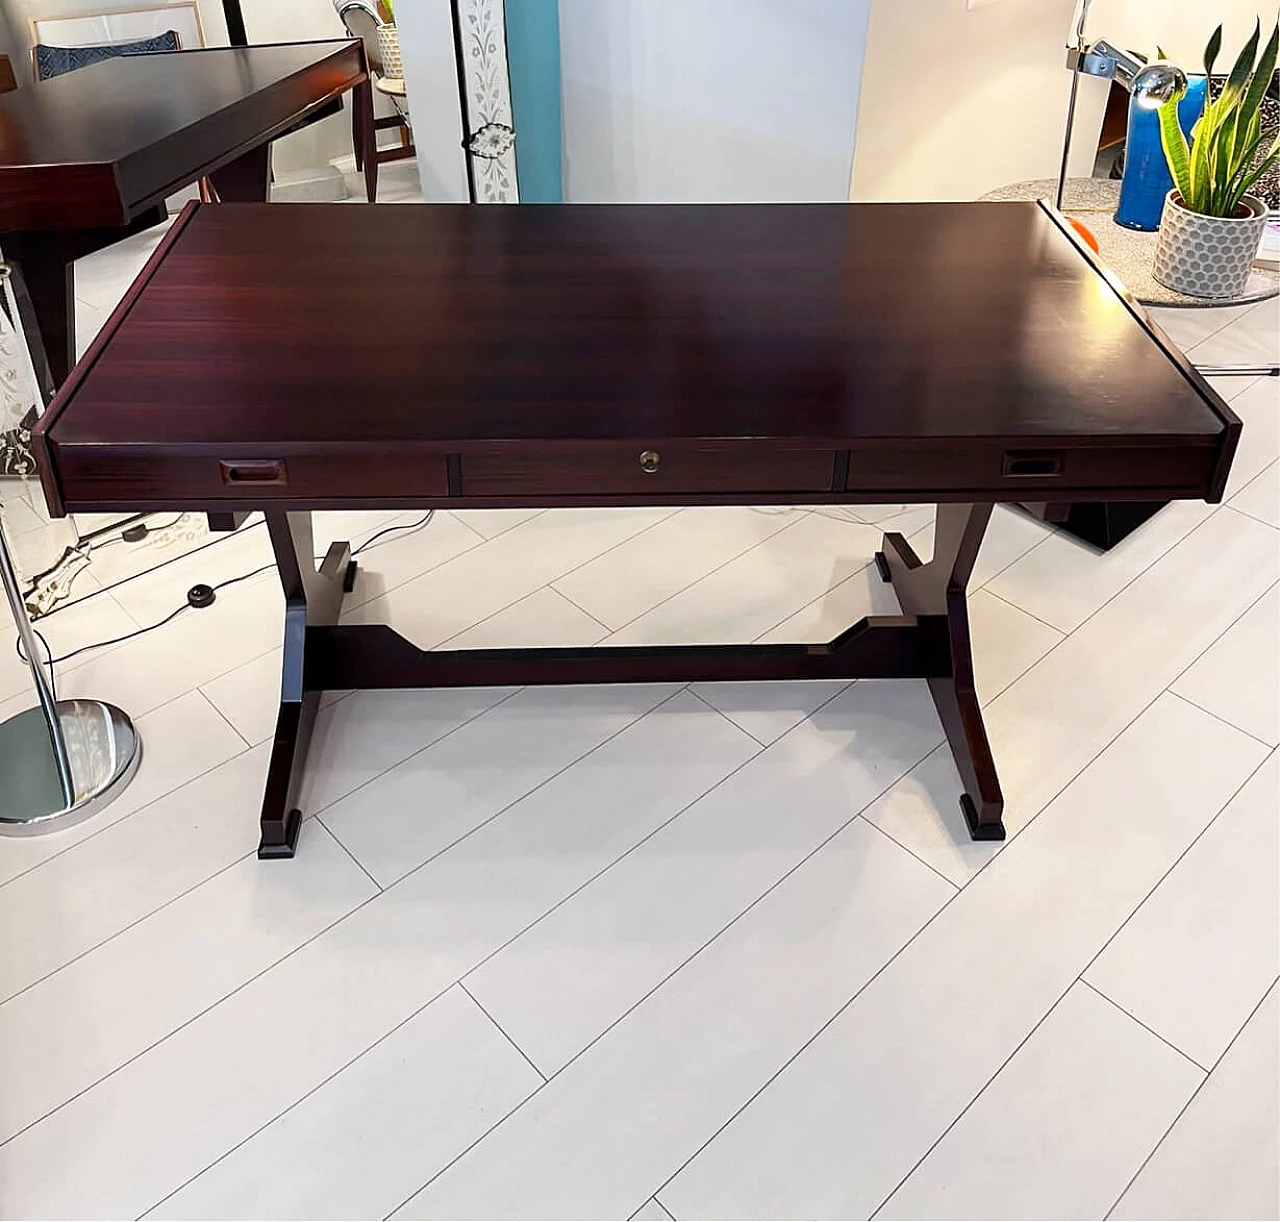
(962, 468)
(91, 475)
(664, 468)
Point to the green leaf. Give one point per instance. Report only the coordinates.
(1211, 50)
(1244, 64)
(1253, 174)
(1257, 89)
(1176, 152)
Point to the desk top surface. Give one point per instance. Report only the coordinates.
(55, 134)
(326, 325)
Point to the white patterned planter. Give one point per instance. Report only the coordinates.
(1208, 256)
(389, 51)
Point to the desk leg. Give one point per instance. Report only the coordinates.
(313, 598)
(246, 179)
(938, 588)
(46, 260)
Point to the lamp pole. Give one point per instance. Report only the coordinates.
(1081, 49)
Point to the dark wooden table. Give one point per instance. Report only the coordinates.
(628, 355)
(90, 157)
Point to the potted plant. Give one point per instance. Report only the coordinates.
(389, 40)
(1212, 226)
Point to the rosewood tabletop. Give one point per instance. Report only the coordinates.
(308, 357)
(89, 156)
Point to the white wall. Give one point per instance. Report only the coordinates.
(956, 102)
(1181, 27)
(706, 100)
(426, 47)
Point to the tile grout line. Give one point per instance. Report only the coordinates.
(1247, 514)
(528, 793)
(378, 887)
(187, 1022)
(502, 534)
(106, 827)
(801, 516)
(1079, 979)
(349, 604)
(1133, 1018)
(1182, 673)
(690, 958)
(577, 607)
(440, 993)
(1194, 1095)
(933, 1145)
(1223, 325)
(173, 899)
(1062, 632)
(721, 713)
(198, 691)
(809, 1042)
(1173, 865)
(800, 1052)
(505, 1033)
(840, 584)
(1262, 742)
(502, 610)
(910, 852)
(497, 704)
(1249, 484)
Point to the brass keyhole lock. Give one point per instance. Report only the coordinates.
(649, 461)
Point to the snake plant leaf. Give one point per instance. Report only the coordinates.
(1244, 64)
(1253, 174)
(1212, 47)
(1257, 89)
(1176, 151)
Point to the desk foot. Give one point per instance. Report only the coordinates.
(313, 599)
(284, 837)
(938, 588)
(978, 830)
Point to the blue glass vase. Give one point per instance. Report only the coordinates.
(1147, 180)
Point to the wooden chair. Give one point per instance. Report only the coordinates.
(362, 21)
(49, 61)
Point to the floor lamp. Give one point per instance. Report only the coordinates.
(63, 760)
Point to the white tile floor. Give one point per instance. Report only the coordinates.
(674, 952)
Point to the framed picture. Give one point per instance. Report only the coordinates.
(121, 25)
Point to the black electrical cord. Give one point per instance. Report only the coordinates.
(387, 530)
(51, 661)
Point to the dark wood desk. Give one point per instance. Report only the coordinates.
(619, 355)
(89, 157)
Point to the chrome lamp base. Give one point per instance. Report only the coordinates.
(104, 752)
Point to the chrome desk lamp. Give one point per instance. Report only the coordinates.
(64, 759)
(1152, 85)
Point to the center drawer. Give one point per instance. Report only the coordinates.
(680, 468)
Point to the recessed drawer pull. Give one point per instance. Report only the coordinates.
(1027, 466)
(272, 472)
(649, 461)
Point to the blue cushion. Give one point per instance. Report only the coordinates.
(57, 61)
